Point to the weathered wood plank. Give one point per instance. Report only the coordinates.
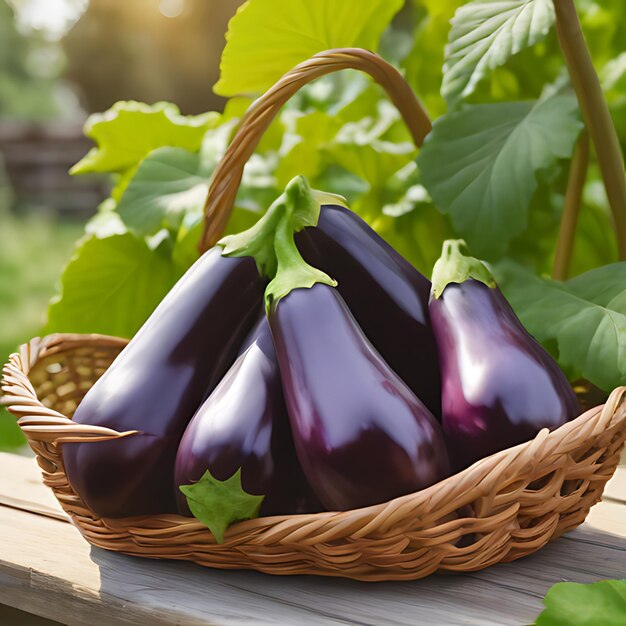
(616, 487)
(21, 487)
(47, 569)
(12, 617)
(609, 517)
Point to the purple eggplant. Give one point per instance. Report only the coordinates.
(499, 386)
(156, 384)
(361, 434)
(244, 424)
(385, 293)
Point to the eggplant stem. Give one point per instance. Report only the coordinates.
(595, 112)
(571, 208)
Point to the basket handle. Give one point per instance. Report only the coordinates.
(227, 176)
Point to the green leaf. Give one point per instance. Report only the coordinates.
(586, 316)
(572, 604)
(268, 37)
(217, 504)
(111, 286)
(485, 34)
(168, 183)
(374, 162)
(481, 164)
(171, 185)
(128, 131)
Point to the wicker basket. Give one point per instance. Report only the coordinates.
(500, 509)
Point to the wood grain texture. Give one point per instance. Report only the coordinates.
(47, 569)
(13, 617)
(21, 487)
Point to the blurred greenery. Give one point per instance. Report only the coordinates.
(33, 250)
(341, 132)
(28, 70)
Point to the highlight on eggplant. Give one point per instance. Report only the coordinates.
(361, 434)
(499, 386)
(243, 426)
(156, 384)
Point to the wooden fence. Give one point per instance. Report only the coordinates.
(37, 158)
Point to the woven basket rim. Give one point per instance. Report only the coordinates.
(59, 342)
(497, 501)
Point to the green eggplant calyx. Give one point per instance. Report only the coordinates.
(299, 204)
(454, 266)
(217, 504)
(292, 272)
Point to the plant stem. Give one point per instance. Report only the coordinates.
(596, 113)
(571, 208)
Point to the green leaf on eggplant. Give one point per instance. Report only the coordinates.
(585, 316)
(574, 604)
(217, 504)
(268, 37)
(111, 286)
(485, 34)
(481, 164)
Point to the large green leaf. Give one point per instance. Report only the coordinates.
(586, 316)
(168, 183)
(598, 604)
(111, 286)
(128, 131)
(171, 184)
(481, 164)
(485, 34)
(268, 37)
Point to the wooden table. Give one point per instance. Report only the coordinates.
(48, 570)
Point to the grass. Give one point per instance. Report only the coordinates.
(33, 251)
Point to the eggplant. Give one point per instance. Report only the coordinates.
(499, 386)
(361, 434)
(244, 424)
(156, 384)
(385, 293)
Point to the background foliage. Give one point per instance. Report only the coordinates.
(493, 171)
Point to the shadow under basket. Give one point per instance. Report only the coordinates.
(500, 509)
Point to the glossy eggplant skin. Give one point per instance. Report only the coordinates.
(156, 384)
(361, 434)
(500, 387)
(386, 294)
(244, 424)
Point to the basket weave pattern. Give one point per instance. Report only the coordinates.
(500, 509)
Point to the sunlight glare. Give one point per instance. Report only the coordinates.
(52, 17)
(171, 8)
